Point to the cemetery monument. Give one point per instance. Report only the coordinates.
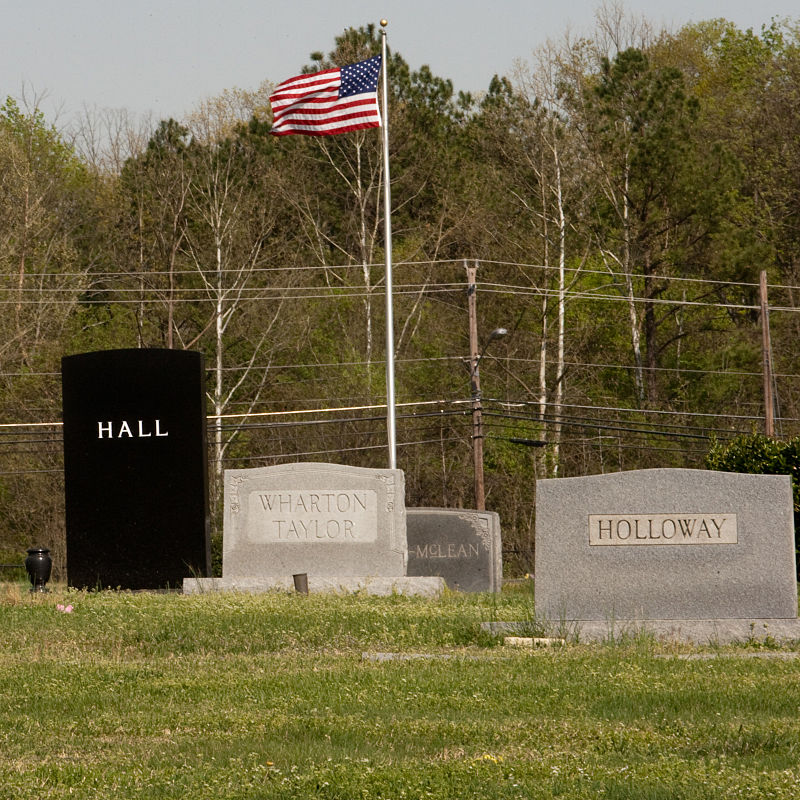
(135, 473)
(461, 545)
(343, 527)
(698, 553)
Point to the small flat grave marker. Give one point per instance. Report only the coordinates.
(460, 545)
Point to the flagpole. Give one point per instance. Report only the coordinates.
(387, 209)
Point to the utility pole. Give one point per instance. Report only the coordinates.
(475, 382)
(475, 388)
(766, 359)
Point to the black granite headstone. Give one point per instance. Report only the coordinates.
(135, 468)
(460, 545)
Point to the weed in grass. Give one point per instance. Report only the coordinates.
(773, 744)
(637, 638)
(614, 741)
(761, 638)
(530, 623)
(11, 594)
(647, 790)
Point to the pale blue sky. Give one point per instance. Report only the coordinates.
(164, 57)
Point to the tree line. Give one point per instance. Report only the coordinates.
(620, 192)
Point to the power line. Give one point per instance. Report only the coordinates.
(594, 295)
(378, 362)
(350, 291)
(337, 421)
(268, 294)
(454, 263)
(639, 410)
(561, 419)
(638, 446)
(203, 293)
(321, 268)
(441, 402)
(605, 426)
(328, 451)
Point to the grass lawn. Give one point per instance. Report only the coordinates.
(280, 696)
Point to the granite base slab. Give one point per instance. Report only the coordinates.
(694, 631)
(378, 586)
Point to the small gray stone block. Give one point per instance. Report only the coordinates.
(326, 520)
(665, 544)
(692, 631)
(430, 587)
(461, 545)
(381, 657)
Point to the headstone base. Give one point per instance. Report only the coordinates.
(379, 586)
(695, 631)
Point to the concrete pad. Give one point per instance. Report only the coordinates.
(695, 631)
(371, 585)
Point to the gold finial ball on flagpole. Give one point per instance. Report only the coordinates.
(384, 23)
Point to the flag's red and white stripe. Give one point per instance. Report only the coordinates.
(318, 105)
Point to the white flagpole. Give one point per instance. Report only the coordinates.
(387, 208)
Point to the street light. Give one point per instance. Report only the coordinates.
(477, 409)
(497, 333)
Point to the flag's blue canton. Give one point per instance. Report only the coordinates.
(360, 78)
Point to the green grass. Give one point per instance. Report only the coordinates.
(269, 696)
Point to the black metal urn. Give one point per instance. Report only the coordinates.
(38, 565)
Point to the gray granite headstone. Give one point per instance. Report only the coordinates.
(325, 520)
(460, 545)
(665, 544)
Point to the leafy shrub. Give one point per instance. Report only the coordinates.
(760, 455)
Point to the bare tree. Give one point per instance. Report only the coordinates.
(232, 220)
(105, 138)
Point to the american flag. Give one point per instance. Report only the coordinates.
(327, 102)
